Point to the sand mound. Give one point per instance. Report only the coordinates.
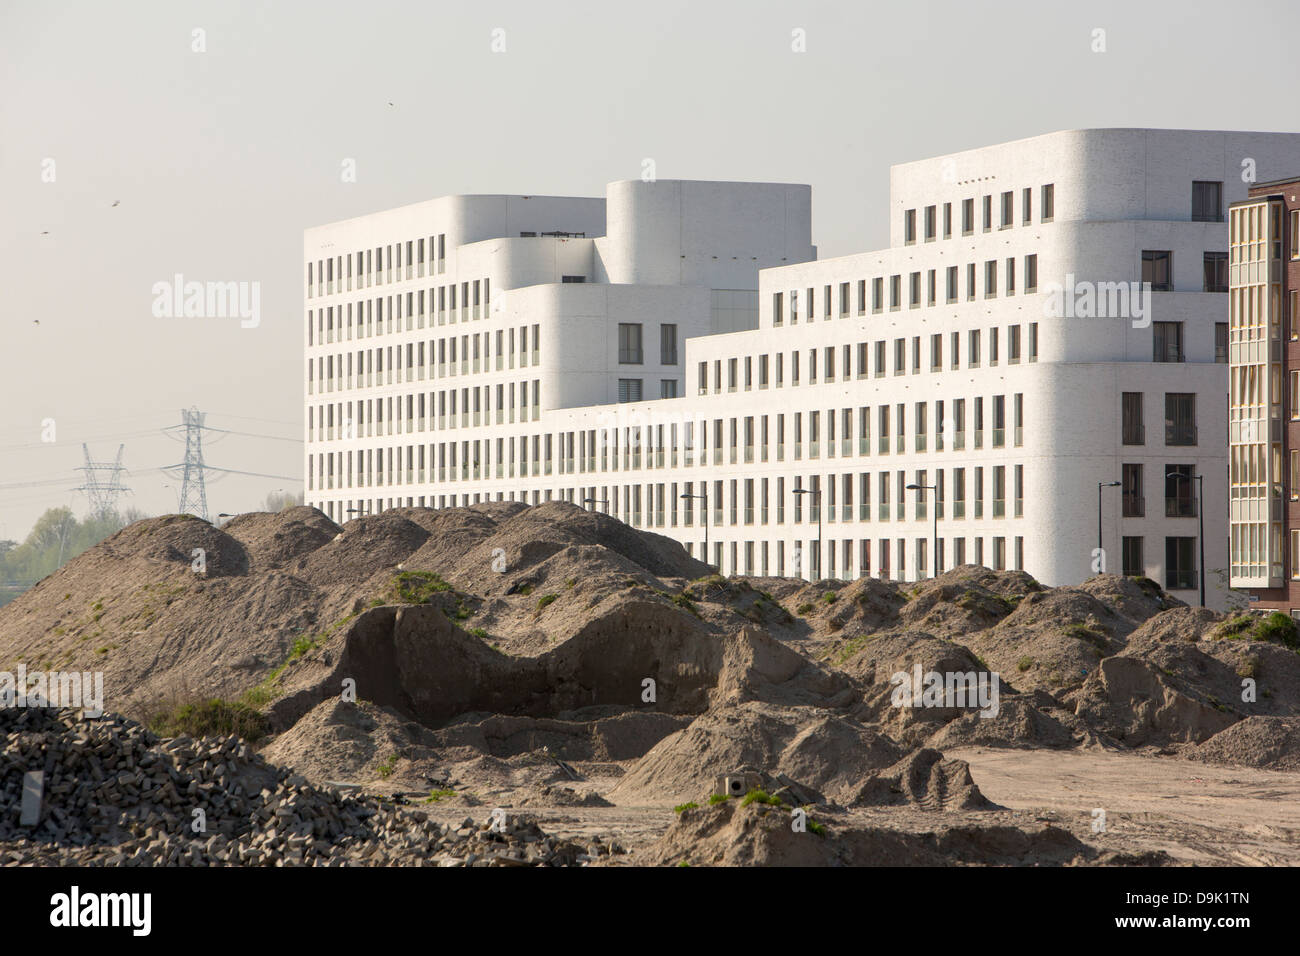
(818, 750)
(416, 661)
(730, 834)
(364, 547)
(925, 779)
(1272, 743)
(1151, 700)
(277, 540)
(1018, 723)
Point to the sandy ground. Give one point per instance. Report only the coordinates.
(1197, 813)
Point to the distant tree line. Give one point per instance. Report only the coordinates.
(56, 538)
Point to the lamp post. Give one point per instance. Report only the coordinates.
(817, 503)
(597, 501)
(705, 511)
(934, 538)
(1200, 515)
(1101, 485)
(358, 511)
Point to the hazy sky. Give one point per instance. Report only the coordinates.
(219, 159)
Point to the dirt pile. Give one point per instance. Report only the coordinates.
(821, 751)
(1272, 743)
(174, 609)
(733, 833)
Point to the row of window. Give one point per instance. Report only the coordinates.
(1180, 497)
(922, 290)
(1005, 212)
(382, 365)
(763, 370)
(1180, 418)
(370, 268)
(751, 438)
(763, 501)
(371, 317)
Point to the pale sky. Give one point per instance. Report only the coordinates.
(219, 159)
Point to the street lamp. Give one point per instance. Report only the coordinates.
(817, 503)
(601, 501)
(1101, 485)
(934, 538)
(1200, 514)
(705, 512)
(357, 511)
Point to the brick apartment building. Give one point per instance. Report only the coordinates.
(1264, 399)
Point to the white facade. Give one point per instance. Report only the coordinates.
(1014, 410)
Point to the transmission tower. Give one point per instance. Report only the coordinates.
(194, 494)
(103, 492)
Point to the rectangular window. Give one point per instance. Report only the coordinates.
(1157, 269)
(952, 284)
(1207, 202)
(931, 213)
(947, 220)
(1133, 565)
(1027, 205)
(1180, 564)
(668, 344)
(1221, 343)
(990, 278)
(629, 390)
(877, 294)
(1216, 272)
(987, 220)
(1133, 503)
(1133, 432)
(1008, 209)
(1167, 341)
(967, 216)
(909, 226)
(1180, 491)
(629, 344)
(1031, 273)
(1180, 418)
(1048, 203)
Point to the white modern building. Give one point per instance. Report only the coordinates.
(682, 339)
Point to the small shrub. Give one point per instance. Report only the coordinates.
(804, 608)
(761, 796)
(1024, 664)
(1278, 627)
(545, 600)
(386, 768)
(479, 632)
(717, 798)
(830, 597)
(683, 807)
(815, 827)
(436, 795)
(417, 587)
(211, 718)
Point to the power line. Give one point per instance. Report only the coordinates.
(102, 493)
(194, 495)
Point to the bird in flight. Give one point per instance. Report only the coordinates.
(116, 203)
